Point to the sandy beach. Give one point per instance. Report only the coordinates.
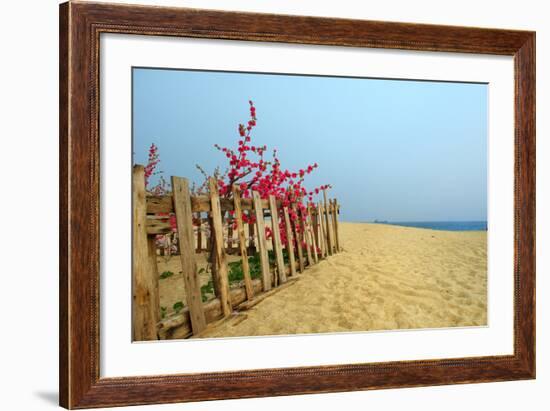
(387, 277)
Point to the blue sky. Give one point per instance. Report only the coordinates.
(392, 149)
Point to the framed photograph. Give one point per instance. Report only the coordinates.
(259, 205)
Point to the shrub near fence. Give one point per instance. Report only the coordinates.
(315, 231)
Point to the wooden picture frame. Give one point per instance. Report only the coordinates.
(80, 27)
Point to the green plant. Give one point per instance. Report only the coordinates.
(255, 266)
(178, 306)
(236, 268)
(235, 271)
(207, 289)
(166, 274)
(163, 312)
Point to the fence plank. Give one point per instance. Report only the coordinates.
(157, 226)
(298, 241)
(144, 280)
(322, 237)
(230, 239)
(278, 245)
(251, 235)
(262, 241)
(164, 204)
(289, 242)
(217, 229)
(306, 236)
(335, 216)
(328, 223)
(199, 233)
(159, 204)
(153, 267)
(242, 243)
(326, 231)
(331, 218)
(214, 266)
(332, 225)
(315, 225)
(312, 234)
(184, 222)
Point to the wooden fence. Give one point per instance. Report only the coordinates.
(316, 231)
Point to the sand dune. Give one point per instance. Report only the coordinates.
(386, 278)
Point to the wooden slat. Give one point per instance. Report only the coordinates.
(217, 229)
(321, 243)
(335, 209)
(145, 312)
(203, 204)
(199, 233)
(262, 241)
(155, 226)
(315, 224)
(298, 237)
(251, 234)
(214, 266)
(330, 241)
(322, 235)
(289, 242)
(275, 273)
(278, 245)
(242, 243)
(159, 204)
(306, 236)
(312, 234)
(153, 268)
(184, 222)
(164, 204)
(230, 238)
(331, 214)
(247, 305)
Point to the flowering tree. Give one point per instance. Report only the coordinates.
(150, 170)
(165, 242)
(249, 169)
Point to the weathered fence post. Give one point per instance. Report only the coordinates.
(289, 242)
(278, 245)
(315, 225)
(328, 225)
(145, 308)
(262, 242)
(312, 233)
(211, 247)
(298, 241)
(230, 239)
(199, 233)
(217, 230)
(184, 221)
(152, 248)
(209, 237)
(336, 235)
(251, 234)
(322, 231)
(242, 243)
(307, 238)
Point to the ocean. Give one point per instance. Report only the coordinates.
(443, 225)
